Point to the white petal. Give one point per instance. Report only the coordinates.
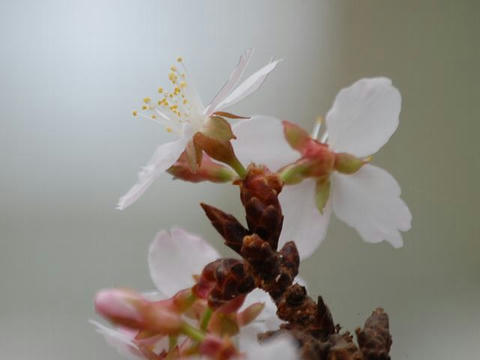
(282, 347)
(175, 256)
(248, 86)
(369, 201)
(231, 83)
(260, 139)
(122, 341)
(165, 156)
(363, 116)
(303, 222)
(268, 319)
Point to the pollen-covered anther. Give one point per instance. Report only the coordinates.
(173, 77)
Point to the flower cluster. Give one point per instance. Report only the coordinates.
(290, 182)
(154, 325)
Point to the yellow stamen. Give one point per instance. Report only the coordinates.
(160, 90)
(134, 113)
(172, 77)
(144, 107)
(179, 59)
(147, 100)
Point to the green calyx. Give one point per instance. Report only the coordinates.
(322, 193)
(348, 164)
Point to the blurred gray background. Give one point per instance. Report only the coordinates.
(72, 71)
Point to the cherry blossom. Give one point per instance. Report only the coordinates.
(334, 172)
(174, 258)
(183, 114)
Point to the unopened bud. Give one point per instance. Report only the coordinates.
(121, 306)
(126, 307)
(348, 164)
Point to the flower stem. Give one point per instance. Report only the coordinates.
(206, 318)
(172, 342)
(292, 174)
(238, 167)
(192, 332)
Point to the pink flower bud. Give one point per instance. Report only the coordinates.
(121, 306)
(126, 307)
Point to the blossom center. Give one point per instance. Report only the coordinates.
(175, 108)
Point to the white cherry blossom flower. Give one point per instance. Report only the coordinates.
(174, 257)
(183, 114)
(335, 175)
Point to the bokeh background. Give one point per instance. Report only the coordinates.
(72, 71)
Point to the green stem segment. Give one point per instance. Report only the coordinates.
(192, 332)
(292, 174)
(206, 318)
(238, 167)
(172, 342)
